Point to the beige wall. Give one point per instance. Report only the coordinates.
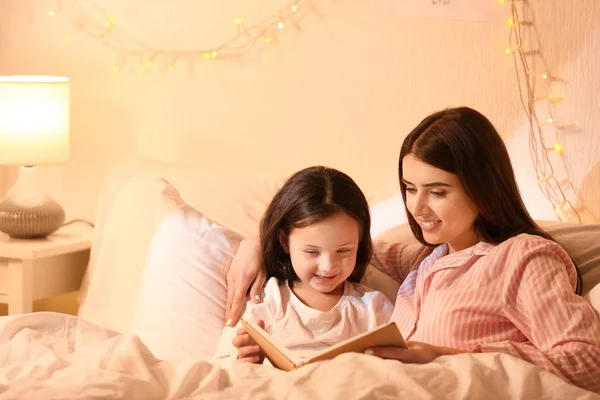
(343, 92)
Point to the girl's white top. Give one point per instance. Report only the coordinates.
(304, 330)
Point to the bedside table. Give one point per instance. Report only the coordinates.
(33, 269)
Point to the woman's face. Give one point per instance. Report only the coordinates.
(438, 202)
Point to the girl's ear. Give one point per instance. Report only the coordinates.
(283, 240)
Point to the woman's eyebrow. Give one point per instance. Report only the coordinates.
(432, 184)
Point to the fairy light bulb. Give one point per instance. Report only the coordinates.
(110, 22)
(239, 21)
(280, 25)
(51, 13)
(267, 40)
(171, 68)
(549, 120)
(544, 76)
(511, 22)
(115, 68)
(294, 8)
(214, 54)
(558, 148)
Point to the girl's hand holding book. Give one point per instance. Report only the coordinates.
(248, 350)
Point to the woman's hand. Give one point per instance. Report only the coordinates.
(248, 350)
(247, 267)
(417, 352)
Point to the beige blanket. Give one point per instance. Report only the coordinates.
(55, 356)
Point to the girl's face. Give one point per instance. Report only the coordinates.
(438, 202)
(323, 255)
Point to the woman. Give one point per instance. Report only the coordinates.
(494, 282)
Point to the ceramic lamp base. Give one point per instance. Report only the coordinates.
(28, 211)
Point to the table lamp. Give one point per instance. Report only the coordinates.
(34, 130)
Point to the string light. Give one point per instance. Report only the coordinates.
(56, 10)
(549, 170)
(558, 148)
(247, 40)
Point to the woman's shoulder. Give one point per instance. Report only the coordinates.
(532, 256)
(523, 248)
(527, 243)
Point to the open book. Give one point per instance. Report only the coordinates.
(281, 357)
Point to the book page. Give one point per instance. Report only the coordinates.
(275, 351)
(385, 335)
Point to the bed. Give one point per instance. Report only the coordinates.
(146, 333)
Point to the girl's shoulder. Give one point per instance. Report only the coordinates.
(273, 290)
(369, 304)
(363, 293)
(272, 303)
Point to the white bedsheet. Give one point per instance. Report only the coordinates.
(54, 356)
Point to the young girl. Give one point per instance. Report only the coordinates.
(316, 245)
(492, 280)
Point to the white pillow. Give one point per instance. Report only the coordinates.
(180, 307)
(594, 298)
(130, 210)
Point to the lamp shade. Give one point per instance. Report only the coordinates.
(34, 120)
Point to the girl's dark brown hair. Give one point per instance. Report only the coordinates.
(464, 142)
(308, 197)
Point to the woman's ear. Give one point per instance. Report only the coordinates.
(283, 240)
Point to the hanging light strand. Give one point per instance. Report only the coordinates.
(552, 174)
(248, 39)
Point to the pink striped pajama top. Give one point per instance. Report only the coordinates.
(517, 297)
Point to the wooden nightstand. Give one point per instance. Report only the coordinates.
(32, 269)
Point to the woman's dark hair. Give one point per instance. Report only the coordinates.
(308, 197)
(464, 142)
